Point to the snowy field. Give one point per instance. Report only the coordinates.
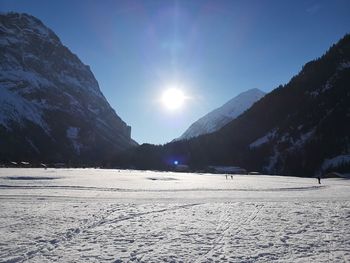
(92, 215)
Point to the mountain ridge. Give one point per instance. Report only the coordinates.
(300, 128)
(222, 115)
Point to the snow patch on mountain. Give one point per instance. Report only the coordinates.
(344, 65)
(31, 143)
(262, 140)
(72, 133)
(329, 84)
(272, 161)
(17, 109)
(27, 25)
(335, 161)
(304, 138)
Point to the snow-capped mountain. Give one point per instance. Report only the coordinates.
(51, 106)
(219, 117)
(300, 128)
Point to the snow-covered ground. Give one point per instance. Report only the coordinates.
(93, 215)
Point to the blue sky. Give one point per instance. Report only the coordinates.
(213, 49)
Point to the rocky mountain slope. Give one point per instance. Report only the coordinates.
(301, 128)
(219, 117)
(51, 106)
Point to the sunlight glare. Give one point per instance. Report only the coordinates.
(173, 98)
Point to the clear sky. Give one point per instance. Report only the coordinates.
(213, 50)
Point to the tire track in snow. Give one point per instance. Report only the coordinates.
(252, 217)
(63, 237)
(72, 233)
(219, 243)
(153, 212)
(156, 248)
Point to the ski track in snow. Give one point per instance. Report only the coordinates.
(53, 225)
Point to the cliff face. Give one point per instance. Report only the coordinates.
(51, 107)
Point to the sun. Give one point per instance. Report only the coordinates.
(173, 98)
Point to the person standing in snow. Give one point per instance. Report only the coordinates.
(319, 179)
